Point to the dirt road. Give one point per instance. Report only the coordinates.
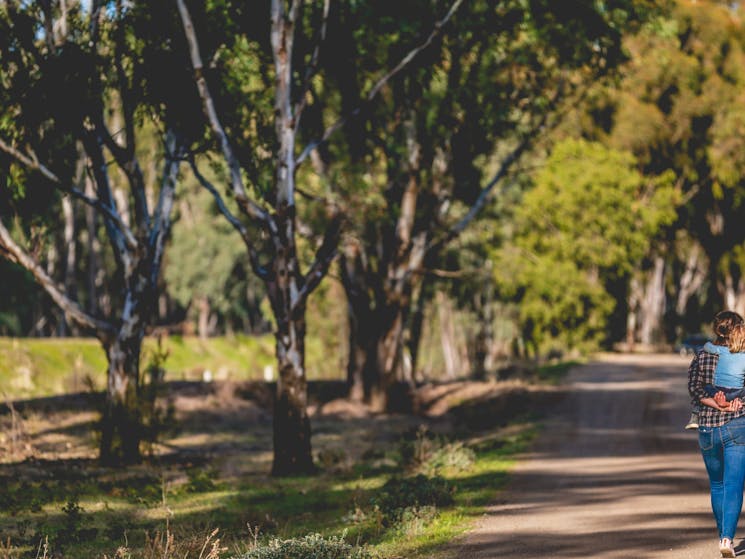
(613, 475)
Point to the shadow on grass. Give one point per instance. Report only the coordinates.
(233, 452)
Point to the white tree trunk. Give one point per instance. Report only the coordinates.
(653, 304)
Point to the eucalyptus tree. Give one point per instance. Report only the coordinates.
(269, 205)
(482, 98)
(679, 106)
(587, 222)
(73, 91)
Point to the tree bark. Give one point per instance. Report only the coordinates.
(632, 317)
(734, 292)
(203, 322)
(653, 308)
(292, 447)
(361, 322)
(68, 212)
(121, 424)
(447, 335)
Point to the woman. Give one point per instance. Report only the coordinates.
(721, 436)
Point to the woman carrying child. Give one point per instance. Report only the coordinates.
(721, 431)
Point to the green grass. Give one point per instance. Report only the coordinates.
(476, 488)
(552, 374)
(88, 512)
(31, 367)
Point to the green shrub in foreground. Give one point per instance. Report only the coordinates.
(312, 546)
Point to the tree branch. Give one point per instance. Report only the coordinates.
(312, 66)
(379, 85)
(234, 221)
(94, 148)
(324, 257)
(94, 22)
(72, 310)
(128, 159)
(485, 194)
(251, 208)
(33, 163)
(162, 216)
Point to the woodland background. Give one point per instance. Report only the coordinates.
(382, 193)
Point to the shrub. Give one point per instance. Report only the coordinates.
(200, 481)
(414, 519)
(312, 546)
(399, 494)
(430, 455)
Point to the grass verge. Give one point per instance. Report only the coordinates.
(211, 474)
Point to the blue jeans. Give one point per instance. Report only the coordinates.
(723, 449)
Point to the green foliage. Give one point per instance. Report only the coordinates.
(400, 494)
(312, 546)
(678, 106)
(432, 455)
(589, 219)
(207, 263)
(200, 480)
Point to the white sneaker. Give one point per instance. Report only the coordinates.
(725, 548)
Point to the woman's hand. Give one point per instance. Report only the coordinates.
(734, 405)
(724, 405)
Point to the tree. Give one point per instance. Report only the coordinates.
(679, 106)
(488, 90)
(288, 287)
(71, 90)
(588, 221)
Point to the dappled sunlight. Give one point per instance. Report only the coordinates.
(613, 474)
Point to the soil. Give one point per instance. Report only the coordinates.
(612, 475)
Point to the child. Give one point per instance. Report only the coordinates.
(729, 375)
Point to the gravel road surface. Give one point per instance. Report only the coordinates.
(613, 474)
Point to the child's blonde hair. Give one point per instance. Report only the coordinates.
(736, 339)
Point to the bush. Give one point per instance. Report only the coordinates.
(312, 546)
(414, 519)
(200, 481)
(430, 455)
(400, 494)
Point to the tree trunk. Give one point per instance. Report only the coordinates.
(734, 293)
(692, 278)
(416, 324)
(93, 267)
(358, 381)
(383, 366)
(447, 335)
(632, 317)
(653, 308)
(482, 346)
(292, 449)
(121, 425)
(360, 376)
(68, 211)
(203, 322)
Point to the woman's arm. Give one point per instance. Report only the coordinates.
(719, 402)
(696, 381)
(723, 405)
